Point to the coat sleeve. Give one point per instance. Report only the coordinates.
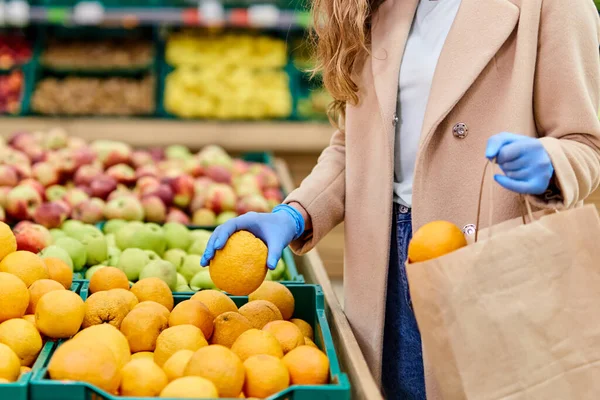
(322, 194)
(566, 99)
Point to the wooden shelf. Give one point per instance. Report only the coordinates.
(300, 137)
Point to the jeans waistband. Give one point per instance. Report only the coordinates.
(402, 213)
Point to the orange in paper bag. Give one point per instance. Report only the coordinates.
(435, 239)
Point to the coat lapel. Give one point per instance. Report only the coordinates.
(479, 31)
(391, 26)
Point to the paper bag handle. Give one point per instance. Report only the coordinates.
(526, 210)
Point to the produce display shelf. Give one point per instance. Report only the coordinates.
(19, 390)
(309, 306)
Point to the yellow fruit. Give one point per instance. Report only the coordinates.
(143, 355)
(22, 337)
(217, 302)
(59, 314)
(241, 266)
(24, 370)
(265, 376)
(104, 308)
(14, 297)
(59, 271)
(304, 327)
(142, 378)
(27, 266)
(253, 342)
(228, 327)
(190, 387)
(156, 307)
(287, 333)
(10, 367)
(8, 242)
(126, 296)
(277, 294)
(76, 360)
(111, 337)
(40, 288)
(175, 365)
(141, 327)
(307, 366)
(219, 365)
(435, 239)
(153, 289)
(260, 313)
(308, 342)
(108, 278)
(192, 312)
(180, 337)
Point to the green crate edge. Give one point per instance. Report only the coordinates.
(340, 390)
(19, 390)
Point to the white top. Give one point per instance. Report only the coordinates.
(428, 33)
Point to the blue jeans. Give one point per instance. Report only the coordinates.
(403, 377)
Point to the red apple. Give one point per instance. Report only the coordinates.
(55, 192)
(157, 153)
(220, 197)
(64, 160)
(127, 208)
(22, 225)
(36, 185)
(273, 194)
(90, 211)
(103, 186)
(45, 173)
(32, 237)
(23, 170)
(204, 217)
(22, 140)
(83, 156)
(76, 142)
(75, 196)
(66, 206)
(50, 215)
(154, 209)
(193, 167)
(121, 191)
(198, 202)
(162, 191)
(122, 173)
(253, 202)
(8, 176)
(112, 152)
(218, 173)
(214, 155)
(139, 158)
(146, 170)
(266, 176)
(146, 184)
(12, 157)
(86, 174)
(55, 138)
(4, 190)
(240, 167)
(35, 153)
(22, 201)
(183, 189)
(86, 189)
(247, 184)
(202, 184)
(176, 215)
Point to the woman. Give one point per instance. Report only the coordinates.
(425, 91)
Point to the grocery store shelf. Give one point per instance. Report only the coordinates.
(234, 136)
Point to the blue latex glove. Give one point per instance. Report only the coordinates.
(277, 229)
(526, 165)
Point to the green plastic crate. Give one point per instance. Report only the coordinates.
(19, 390)
(309, 306)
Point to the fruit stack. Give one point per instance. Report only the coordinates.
(228, 76)
(15, 50)
(25, 317)
(47, 177)
(171, 252)
(11, 91)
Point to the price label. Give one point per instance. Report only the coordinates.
(88, 13)
(263, 15)
(212, 12)
(17, 13)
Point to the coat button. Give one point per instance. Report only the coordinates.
(460, 130)
(469, 229)
(395, 120)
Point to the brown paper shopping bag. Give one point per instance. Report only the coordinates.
(515, 315)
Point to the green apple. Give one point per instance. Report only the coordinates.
(152, 255)
(175, 257)
(132, 262)
(177, 236)
(71, 225)
(202, 280)
(199, 245)
(181, 280)
(191, 266)
(91, 270)
(114, 253)
(269, 276)
(96, 248)
(57, 252)
(199, 233)
(225, 216)
(163, 270)
(279, 270)
(153, 238)
(125, 236)
(76, 251)
(57, 234)
(183, 289)
(113, 225)
(111, 239)
(79, 232)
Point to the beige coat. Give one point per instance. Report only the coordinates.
(523, 66)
